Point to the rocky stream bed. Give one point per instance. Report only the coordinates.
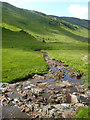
(58, 94)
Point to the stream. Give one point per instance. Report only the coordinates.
(57, 94)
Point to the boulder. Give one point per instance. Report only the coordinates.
(73, 99)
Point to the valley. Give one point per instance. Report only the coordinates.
(34, 43)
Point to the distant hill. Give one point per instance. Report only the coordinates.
(76, 21)
(42, 26)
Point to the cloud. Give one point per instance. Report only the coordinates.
(78, 11)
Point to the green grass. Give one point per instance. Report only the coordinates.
(24, 30)
(16, 40)
(83, 113)
(10, 27)
(19, 64)
(76, 59)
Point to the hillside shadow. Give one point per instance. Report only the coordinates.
(21, 40)
(27, 42)
(72, 35)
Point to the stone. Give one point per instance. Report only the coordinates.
(27, 110)
(28, 100)
(41, 99)
(52, 113)
(45, 83)
(9, 90)
(53, 88)
(20, 92)
(10, 99)
(87, 93)
(68, 114)
(3, 100)
(38, 76)
(80, 105)
(66, 105)
(16, 100)
(66, 83)
(50, 107)
(13, 85)
(56, 92)
(73, 75)
(79, 75)
(20, 100)
(59, 98)
(25, 96)
(80, 90)
(73, 98)
(59, 67)
(27, 87)
(20, 103)
(31, 107)
(4, 90)
(23, 109)
(36, 105)
(52, 98)
(3, 85)
(37, 90)
(62, 85)
(36, 116)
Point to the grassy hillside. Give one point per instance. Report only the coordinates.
(36, 22)
(23, 32)
(76, 21)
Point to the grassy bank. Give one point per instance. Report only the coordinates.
(19, 64)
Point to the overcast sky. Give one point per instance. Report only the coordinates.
(70, 8)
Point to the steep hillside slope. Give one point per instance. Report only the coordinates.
(45, 26)
(76, 21)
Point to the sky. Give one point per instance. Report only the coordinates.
(68, 8)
